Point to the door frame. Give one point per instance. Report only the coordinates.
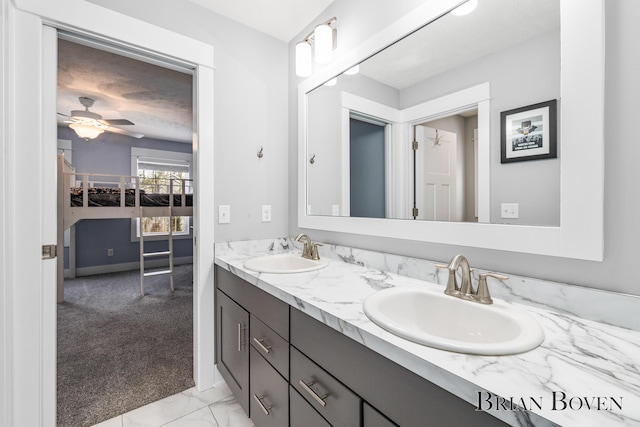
(28, 352)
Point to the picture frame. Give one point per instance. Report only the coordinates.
(529, 133)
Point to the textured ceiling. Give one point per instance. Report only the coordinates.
(158, 100)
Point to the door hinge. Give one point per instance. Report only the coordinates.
(49, 251)
(414, 145)
(414, 212)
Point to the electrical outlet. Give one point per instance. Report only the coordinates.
(224, 214)
(266, 213)
(109, 252)
(335, 210)
(509, 210)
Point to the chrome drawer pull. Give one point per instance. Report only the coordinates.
(265, 348)
(240, 329)
(319, 399)
(259, 400)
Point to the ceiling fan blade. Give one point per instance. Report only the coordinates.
(124, 132)
(61, 114)
(117, 122)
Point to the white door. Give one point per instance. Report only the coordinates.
(436, 176)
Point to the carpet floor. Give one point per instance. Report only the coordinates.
(118, 351)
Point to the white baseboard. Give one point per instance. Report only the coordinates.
(126, 266)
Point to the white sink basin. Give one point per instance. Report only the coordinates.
(448, 323)
(284, 263)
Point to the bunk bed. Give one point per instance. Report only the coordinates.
(84, 196)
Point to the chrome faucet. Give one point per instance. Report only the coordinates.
(465, 290)
(310, 249)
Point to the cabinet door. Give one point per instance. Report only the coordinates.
(269, 400)
(302, 414)
(373, 418)
(232, 348)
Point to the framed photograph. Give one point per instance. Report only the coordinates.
(529, 133)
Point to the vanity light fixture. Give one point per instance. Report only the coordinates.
(304, 61)
(465, 8)
(324, 38)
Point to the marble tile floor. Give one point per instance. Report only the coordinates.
(215, 407)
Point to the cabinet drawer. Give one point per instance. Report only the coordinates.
(270, 345)
(332, 399)
(302, 414)
(267, 308)
(373, 418)
(269, 394)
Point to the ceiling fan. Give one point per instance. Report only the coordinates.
(89, 125)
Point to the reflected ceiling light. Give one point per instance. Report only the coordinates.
(303, 59)
(86, 131)
(465, 8)
(353, 70)
(324, 38)
(332, 82)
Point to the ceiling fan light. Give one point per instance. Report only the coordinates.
(85, 131)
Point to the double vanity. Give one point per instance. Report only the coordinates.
(368, 339)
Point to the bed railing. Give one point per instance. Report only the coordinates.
(86, 181)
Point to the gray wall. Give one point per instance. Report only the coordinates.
(521, 75)
(250, 102)
(111, 154)
(361, 19)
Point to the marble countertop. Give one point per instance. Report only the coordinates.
(585, 373)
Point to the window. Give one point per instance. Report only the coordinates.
(156, 170)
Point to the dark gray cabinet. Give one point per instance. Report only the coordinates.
(373, 418)
(232, 351)
(254, 361)
(269, 400)
(302, 414)
(332, 399)
(304, 373)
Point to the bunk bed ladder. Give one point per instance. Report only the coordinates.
(147, 255)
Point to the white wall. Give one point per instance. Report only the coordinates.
(360, 19)
(250, 102)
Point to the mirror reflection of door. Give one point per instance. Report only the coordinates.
(436, 179)
(367, 169)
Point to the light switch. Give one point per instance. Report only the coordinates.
(266, 213)
(224, 214)
(509, 210)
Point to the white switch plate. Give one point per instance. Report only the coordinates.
(335, 210)
(110, 252)
(509, 210)
(224, 214)
(266, 213)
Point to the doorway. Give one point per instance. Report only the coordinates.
(367, 169)
(31, 74)
(117, 349)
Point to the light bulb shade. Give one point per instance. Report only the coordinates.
(86, 131)
(465, 8)
(323, 36)
(353, 70)
(304, 61)
(332, 82)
